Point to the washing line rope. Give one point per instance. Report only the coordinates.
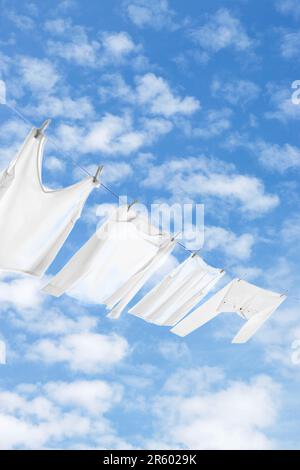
(75, 164)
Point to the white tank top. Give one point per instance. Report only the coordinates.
(35, 221)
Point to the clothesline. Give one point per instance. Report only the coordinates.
(109, 190)
(85, 170)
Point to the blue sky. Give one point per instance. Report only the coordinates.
(181, 101)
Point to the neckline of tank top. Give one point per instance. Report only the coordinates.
(42, 138)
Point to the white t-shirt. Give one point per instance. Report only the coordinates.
(115, 262)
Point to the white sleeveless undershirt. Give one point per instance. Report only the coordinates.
(35, 221)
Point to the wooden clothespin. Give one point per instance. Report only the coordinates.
(40, 130)
(97, 174)
(195, 253)
(135, 201)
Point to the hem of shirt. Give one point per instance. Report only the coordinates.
(52, 290)
(22, 271)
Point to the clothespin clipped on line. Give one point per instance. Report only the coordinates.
(175, 236)
(195, 253)
(97, 174)
(40, 130)
(135, 201)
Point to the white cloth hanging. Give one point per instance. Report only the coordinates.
(115, 262)
(2, 352)
(178, 292)
(252, 303)
(35, 221)
(121, 298)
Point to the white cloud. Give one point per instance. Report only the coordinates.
(50, 321)
(37, 74)
(152, 94)
(83, 352)
(2, 92)
(156, 14)
(116, 172)
(215, 122)
(76, 47)
(64, 106)
(117, 45)
(279, 157)
(173, 351)
(199, 379)
(94, 396)
(46, 416)
(113, 135)
(54, 164)
(221, 30)
(208, 178)
(281, 101)
(2, 352)
(289, 7)
(155, 93)
(114, 86)
(290, 231)
(234, 246)
(249, 273)
(58, 26)
(11, 129)
(22, 22)
(289, 44)
(275, 157)
(236, 92)
(204, 411)
(21, 292)
(12, 132)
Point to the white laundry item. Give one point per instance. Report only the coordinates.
(35, 221)
(115, 262)
(121, 298)
(2, 352)
(178, 292)
(252, 303)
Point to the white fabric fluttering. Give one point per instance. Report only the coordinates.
(179, 292)
(2, 352)
(252, 303)
(35, 221)
(115, 262)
